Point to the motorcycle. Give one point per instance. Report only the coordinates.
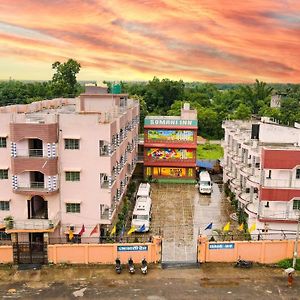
(243, 263)
(131, 266)
(118, 266)
(144, 267)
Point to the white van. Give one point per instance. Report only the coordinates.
(141, 216)
(144, 190)
(205, 183)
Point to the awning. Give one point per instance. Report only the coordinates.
(71, 169)
(73, 201)
(71, 137)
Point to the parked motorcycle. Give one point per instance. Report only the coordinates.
(131, 266)
(144, 267)
(118, 266)
(243, 263)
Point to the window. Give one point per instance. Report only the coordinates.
(4, 205)
(103, 148)
(72, 144)
(3, 174)
(296, 204)
(297, 173)
(73, 207)
(2, 142)
(72, 176)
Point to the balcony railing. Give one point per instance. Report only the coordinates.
(36, 186)
(32, 153)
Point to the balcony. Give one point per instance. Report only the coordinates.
(35, 187)
(277, 216)
(38, 225)
(45, 165)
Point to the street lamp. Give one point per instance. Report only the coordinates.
(296, 242)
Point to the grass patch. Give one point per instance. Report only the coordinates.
(287, 263)
(209, 151)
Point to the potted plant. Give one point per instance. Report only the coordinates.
(9, 222)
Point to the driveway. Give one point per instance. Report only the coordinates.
(179, 214)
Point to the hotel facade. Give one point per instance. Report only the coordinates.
(170, 146)
(65, 165)
(262, 167)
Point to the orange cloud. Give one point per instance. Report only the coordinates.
(218, 41)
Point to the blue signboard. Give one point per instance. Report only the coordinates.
(221, 246)
(132, 248)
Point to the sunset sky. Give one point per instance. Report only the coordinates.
(193, 40)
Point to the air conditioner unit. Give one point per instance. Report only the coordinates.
(72, 227)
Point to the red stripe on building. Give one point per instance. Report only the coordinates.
(280, 159)
(267, 194)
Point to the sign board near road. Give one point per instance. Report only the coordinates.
(132, 248)
(220, 246)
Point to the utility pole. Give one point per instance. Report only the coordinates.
(296, 243)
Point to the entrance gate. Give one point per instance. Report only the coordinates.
(30, 253)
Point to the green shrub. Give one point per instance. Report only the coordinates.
(287, 263)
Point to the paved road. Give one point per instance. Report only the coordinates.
(180, 213)
(211, 281)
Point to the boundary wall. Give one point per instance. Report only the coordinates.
(96, 253)
(264, 252)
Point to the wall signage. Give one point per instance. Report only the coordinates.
(221, 246)
(132, 248)
(171, 122)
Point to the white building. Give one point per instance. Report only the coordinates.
(262, 166)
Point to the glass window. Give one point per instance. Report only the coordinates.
(297, 173)
(296, 204)
(72, 144)
(4, 205)
(73, 207)
(3, 174)
(2, 142)
(72, 176)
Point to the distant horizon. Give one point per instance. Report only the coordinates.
(192, 40)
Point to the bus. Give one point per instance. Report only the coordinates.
(141, 216)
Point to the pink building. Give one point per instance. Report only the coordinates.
(65, 163)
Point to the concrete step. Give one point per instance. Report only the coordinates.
(180, 265)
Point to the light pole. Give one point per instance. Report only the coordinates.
(296, 242)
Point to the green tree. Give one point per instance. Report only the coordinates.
(243, 112)
(64, 81)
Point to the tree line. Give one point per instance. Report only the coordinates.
(217, 102)
(213, 102)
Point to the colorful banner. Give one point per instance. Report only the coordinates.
(170, 135)
(166, 153)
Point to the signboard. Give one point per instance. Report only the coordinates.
(171, 122)
(167, 154)
(132, 248)
(170, 135)
(221, 246)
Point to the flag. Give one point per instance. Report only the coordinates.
(142, 228)
(131, 230)
(113, 231)
(226, 227)
(252, 228)
(95, 230)
(241, 227)
(122, 231)
(71, 235)
(209, 226)
(82, 230)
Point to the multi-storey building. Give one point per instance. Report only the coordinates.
(170, 146)
(65, 163)
(262, 166)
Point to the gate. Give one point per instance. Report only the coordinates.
(30, 253)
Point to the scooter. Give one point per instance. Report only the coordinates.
(118, 266)
(131, 266)
(243, 263)
(144, 267)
